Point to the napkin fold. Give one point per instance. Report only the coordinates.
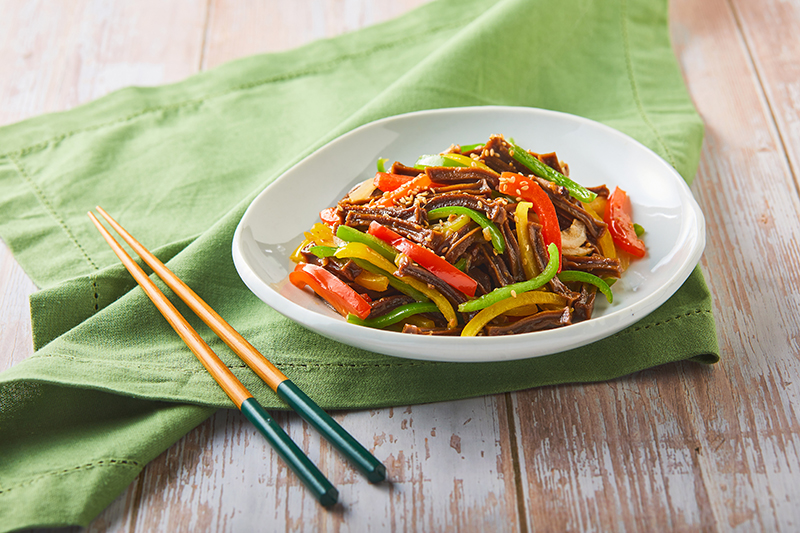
(110, 386)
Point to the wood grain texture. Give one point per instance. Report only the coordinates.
(682, 447)
(446, 468)
(16, 342)
(236, 29)
(58, 55)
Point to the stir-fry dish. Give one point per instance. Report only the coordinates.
(479, 240)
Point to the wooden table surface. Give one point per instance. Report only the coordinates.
(681, 447)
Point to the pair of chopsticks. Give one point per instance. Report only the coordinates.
(314, 480)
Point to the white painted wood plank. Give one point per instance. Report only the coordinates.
(684, 447)
(237, 29)
(446, 465)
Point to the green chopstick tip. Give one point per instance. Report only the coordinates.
(355, 452)
(329, 498)
(377, 474)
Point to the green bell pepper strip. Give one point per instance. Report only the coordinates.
(585, 277)
(322, 251)
(543, 171)
(382, 164)
(508, 291)
(346, 233)
(470, 147)
(498, 242)
(394, 316)
(638, 229)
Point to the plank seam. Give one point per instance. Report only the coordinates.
(522, 515)
(762, 93)
(204, 42)
(288, 76)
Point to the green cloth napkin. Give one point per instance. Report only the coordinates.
(111, 386)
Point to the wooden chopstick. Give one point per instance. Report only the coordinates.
(322, 489)
(361, 458)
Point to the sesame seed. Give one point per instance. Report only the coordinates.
(513, 293)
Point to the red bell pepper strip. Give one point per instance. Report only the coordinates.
(330, 216)
(386, 181)
(335, 291)
(426, 259)
(617, 217)
(524, 187)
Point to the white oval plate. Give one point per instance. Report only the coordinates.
(273, 225)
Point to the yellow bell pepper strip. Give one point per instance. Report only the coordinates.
(395, 315)
(524, 310)
(438, 298)
(395, 282)
(543, 171)
(524, 239)
(477, 323)
(437, 160)
(359, 250)
(598, 205)
(467, 161)
(296, 256)
(605, 242)
(498, 242)
(585, 277)
(426, 259)
(372, 281)
(420, 321)
(348, 234)
(320, 234)
(515, 289)
(448, 227)
(527, 189)
(335, 291)
(368, 259)
(618, 219)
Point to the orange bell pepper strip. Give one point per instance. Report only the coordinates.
(409, 188)
(386, 181)
(330, 216)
